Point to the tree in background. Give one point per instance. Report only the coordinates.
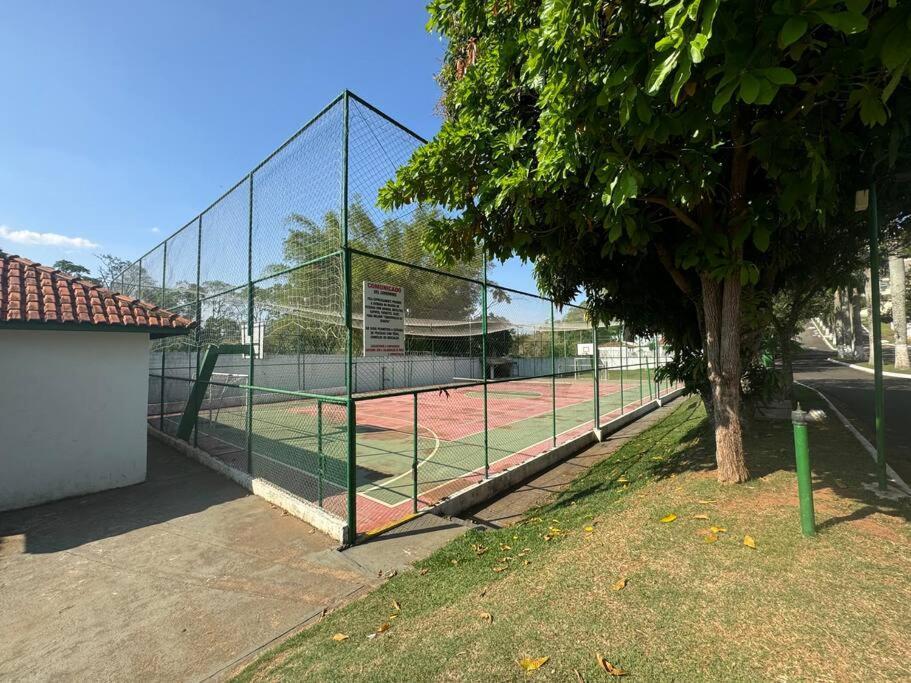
(670, 143)
(899, 320)
(73, 269)
(109, 269)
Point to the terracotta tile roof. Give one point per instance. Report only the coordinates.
(36, 295)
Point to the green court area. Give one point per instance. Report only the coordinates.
(303, 448)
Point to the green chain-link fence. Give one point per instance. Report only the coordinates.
(477, 378)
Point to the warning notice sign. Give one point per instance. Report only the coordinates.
(384, 319)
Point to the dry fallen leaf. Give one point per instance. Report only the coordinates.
(500, 569)
(623, 480)
(711, 538)
(424, 571)
(619, 584)
(706, 502)
(383, 628)
(700, 516)
(339, 637)
(718, 529)
(396, 606)
(668, 518)
(487, 616)
(533, 664)
(589, 529)
(610, 668)
(749, 542)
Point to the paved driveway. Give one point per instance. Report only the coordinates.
(174, 579)
(852, 393)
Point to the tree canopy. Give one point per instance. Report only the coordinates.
(651, 154)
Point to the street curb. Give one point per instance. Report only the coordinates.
(871, 450)
(822, 335)
(869, 371)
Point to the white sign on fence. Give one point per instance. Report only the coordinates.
(384, 319)
(585, 349)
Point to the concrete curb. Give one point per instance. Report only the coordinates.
(823, 334)
(311, 514)
(485, 490)
(871, 450)
(869, 371)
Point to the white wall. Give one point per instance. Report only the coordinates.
(72, 413)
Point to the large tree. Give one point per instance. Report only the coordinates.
(672, 138)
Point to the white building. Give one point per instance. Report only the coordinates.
(73, 384)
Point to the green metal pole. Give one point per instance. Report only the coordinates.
(251, 366)
(197, 394)
(657, 386)
(553, 375)
(639, 363)
(197, 332)
(622, 328)
(414, 458)
(879, 398)
(595, 373)
(351, 479)
(319, 448)
(804, 474)
(164, 265)
(484, 366)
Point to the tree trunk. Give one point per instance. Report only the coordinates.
(899, 320)
(861, 340)
(721, 306)
(839, 326)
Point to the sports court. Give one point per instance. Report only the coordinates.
(337, 359)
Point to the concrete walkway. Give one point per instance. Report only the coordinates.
(177, 579)
(186, 577)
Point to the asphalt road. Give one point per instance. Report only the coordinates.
(852, 393)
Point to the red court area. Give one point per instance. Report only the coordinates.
(455, 414)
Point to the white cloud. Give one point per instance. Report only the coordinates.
(155, 230)
(46, 239)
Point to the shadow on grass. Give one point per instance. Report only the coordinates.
(683, 443)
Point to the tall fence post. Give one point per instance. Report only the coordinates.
(622, 334)
(351, 479)
(484, 371)
(197, 332)
(163, 351)
(250, 313)
(553, 374)
(414, 458)
(804, 473)
(321, 459)
(596, 371)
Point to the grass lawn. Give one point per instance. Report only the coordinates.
(889, 368)
(692, 608)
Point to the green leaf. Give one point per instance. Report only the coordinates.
(846, 22)
(779, 75)
(749, 88)
(896, 48)
(643, 110)
(680, 79)
(660, 72)
(722, 96)
(894, 80)
(857, 6)
(792, 31)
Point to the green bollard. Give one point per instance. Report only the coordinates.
(804, 476)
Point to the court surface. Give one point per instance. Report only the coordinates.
(301, 444)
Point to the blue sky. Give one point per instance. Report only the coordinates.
(121, 121)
